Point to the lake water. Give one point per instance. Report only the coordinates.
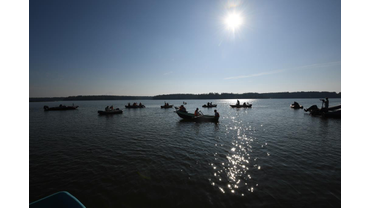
(266, 156)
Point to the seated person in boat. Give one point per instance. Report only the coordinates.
(140, 104)
(196, 112)
(182, 108)
(129, 104)
(244, 104)
(135, 104)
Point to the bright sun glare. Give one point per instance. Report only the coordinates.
(233, 21)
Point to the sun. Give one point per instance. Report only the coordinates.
(233, 21)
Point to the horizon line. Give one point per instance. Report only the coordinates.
(195, 94)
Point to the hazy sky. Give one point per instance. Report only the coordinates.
(145, 47)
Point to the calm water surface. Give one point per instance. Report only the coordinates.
(266, 156)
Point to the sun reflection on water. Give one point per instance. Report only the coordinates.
(233, 171)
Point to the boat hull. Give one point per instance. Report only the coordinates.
(110, 112)
(192, 117)
(209, 106)
(60, 199)
(60, 108)
(143, 106)
(332, 113)
(168, 106)
(241, 106)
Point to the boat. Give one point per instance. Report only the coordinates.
(248, 105)
(209, 106)
(61, 199)
(166, 106)
(133, 106)
(110, 112)
(191, 117)
(336, 107)
(332, 112)
(295, 105)
(60, 107)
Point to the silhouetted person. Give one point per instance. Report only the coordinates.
(217, 114)
(237, 102)
(182, 108)
(196, 112)
(326, 104)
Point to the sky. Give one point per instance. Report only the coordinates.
(148, 48)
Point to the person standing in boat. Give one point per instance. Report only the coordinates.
(237, 102)
(326, 104)
(217, 114)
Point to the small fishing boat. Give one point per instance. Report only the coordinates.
(295, 105)
(331, 112)
(166, 106)
(192, 117)
(110, 112)
(209, 106)
(60, 107)
(245, 105)
(336, 107)
(61, 199)
(133, 106)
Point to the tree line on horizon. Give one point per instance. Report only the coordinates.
(250, 95)
(179, 96)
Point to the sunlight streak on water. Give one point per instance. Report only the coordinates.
(238, 165)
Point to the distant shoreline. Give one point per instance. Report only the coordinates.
(209, 96)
